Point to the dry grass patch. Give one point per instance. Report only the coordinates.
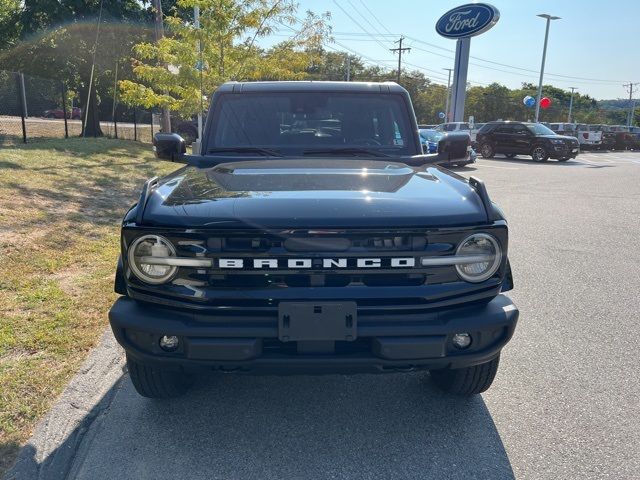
(60, 206)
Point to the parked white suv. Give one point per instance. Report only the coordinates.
(569, 129)
(454, 127)
(461, 127)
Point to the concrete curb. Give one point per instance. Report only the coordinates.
(52, 450)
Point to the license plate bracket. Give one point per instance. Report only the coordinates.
(312, 321)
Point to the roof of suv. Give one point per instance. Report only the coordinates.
(312, 86)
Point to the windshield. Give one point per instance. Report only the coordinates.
(293, 123)
(539, 129)
(431, 135)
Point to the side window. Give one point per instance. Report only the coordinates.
(504, 129)
(485, 128)
(464, 126)
(449, 127)
(520, 130)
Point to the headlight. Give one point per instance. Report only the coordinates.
(479, 246)
(557, 141)
(148, 259)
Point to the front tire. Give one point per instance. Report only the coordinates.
(539, 154)
(487, 151)
(154, 382)
(466, 381)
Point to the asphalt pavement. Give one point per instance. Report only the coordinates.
(564, 404)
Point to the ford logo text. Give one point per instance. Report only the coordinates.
(467, 20)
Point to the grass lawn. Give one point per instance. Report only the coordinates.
(60, 206)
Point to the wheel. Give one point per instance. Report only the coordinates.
(468, 380)
(511, 155)
(487, 151)
(154, 382)
(539, 153)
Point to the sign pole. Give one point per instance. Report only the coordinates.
(463, 47)
(460, 24)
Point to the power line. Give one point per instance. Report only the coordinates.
(513, 66)
(355, 9)
(358, 24)
(376, 19)
(588, 79)
(377, 63)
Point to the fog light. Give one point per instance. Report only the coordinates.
(169, 343)
(462, 340)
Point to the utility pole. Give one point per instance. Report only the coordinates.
(348, 69)
(446, 107)
(399, 50)
(544, 57)
(165, 118)
(571, 104)
(629, 86)
(196, 24)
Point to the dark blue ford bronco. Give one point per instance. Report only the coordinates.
(311, 234)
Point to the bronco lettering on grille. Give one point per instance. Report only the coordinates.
(319, 263)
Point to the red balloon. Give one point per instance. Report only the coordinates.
(545, 103)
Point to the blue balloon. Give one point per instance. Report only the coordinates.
(529, 101)
(442, 115)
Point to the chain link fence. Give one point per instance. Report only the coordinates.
(34, 107)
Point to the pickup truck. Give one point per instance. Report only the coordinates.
(312, 235)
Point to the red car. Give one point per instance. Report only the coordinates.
(75, 113)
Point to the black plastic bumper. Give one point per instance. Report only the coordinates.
(232, 345)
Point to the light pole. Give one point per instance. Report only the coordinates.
(544, 57)
(446, 108)
(571, 103)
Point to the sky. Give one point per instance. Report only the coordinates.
(596, 42)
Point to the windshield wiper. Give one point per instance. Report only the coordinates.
(258, 150)
(345, 151)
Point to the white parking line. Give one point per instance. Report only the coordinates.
(496, 166)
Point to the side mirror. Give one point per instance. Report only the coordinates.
(453, 146)
(169, 146)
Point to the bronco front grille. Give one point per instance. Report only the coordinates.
(252, 290)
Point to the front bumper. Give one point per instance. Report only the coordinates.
(252, 345)
(564, 151)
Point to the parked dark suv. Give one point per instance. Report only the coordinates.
(520, 138)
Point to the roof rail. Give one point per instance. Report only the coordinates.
(148, 188)
(481, 190)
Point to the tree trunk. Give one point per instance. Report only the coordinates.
(90, 114)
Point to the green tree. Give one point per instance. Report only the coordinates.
(66, 52)
(10, 25)
(171, 74)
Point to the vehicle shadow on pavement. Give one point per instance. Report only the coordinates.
(520, 160)
(231, 426)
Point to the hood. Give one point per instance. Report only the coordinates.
(309, 193)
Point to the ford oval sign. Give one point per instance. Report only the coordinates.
(468, 20)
